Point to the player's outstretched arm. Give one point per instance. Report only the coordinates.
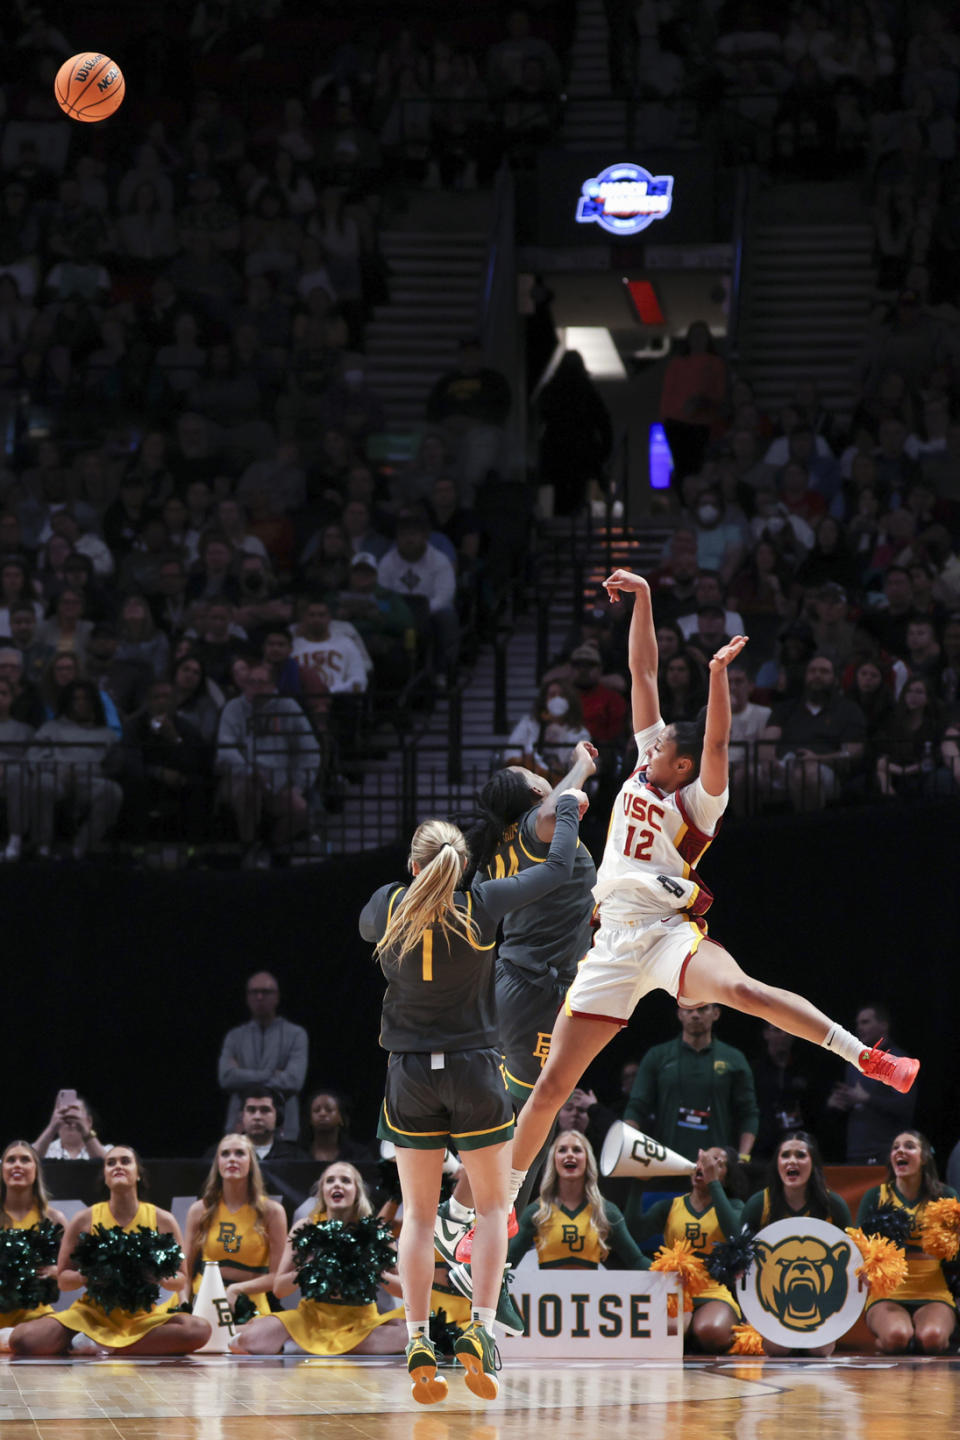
(641, 645)
(583, 766)
(715, 765)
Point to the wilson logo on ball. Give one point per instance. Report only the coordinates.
(89, 87)
(86, 67)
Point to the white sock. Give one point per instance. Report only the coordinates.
(517, 1178)
(482, 1315)
(463, 1213)
(842, 1043)
(417, 1327)
(5, 1334)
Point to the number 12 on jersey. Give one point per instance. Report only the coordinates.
(638, 844)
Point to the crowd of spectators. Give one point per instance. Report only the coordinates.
(848, 692)
(817, 90)
(217, 599)
(831, 539)
(211, 591)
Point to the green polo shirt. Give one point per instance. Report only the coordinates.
(692, 1099)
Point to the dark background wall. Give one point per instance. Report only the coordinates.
(122, 983)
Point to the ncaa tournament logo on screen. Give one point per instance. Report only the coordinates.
(625, 199)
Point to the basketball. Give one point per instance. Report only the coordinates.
(89, 87)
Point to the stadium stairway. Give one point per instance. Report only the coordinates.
(805, 310)
(592, 118)
(564, 578)
(435, 280)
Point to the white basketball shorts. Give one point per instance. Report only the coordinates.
(629, 960)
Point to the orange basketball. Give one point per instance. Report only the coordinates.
(89, 87)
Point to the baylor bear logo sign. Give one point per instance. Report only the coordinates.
(802, 1291)
(802, 1281)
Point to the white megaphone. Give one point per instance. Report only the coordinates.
(629, 1152)
(212, 1305)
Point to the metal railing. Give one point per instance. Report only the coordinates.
(304, 815)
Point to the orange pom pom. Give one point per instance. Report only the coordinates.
(940, 1228)
(884, 1267)
(680, 1259)
(746, 1341)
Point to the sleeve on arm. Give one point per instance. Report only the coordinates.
(294, 1073)
(237, 1077)
(500, 896)
(729, 1212)
(745, 1108)
(373, 916)
(647, 738)
(642, 1102)
(225, 1072)
(622, 1244)
(652, 1221)
(443, 585)
(231, 740)
(355, 670)
(240, 1077)
(867, 1203)
(525, 1238)
(752, 1212)
(706, 811)
(839, 1210)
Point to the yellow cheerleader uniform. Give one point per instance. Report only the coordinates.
(568, 1240)
(757, 1211)
(17, 1317)
(703, 1231)
(117, 1328)
(234, 1240)
(924, 1283)
(330, 1327)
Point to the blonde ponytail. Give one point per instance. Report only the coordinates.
(440, 852)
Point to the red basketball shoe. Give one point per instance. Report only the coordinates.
(465, 1247)
(897, 1071)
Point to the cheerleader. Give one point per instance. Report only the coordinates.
(24, 1203)
(235, 1223)
(708, 1214)
(158, 1331)
(573, 1227)
(435, 942)
(796, 1185)
(330, 1327)
(922, 1307)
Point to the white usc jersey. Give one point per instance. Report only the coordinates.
(653, 843)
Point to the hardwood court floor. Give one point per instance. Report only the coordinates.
(215, 1398)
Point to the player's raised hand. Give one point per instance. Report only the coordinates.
(728, 653)
(582, 801)
(585, 755)
(623, 580)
